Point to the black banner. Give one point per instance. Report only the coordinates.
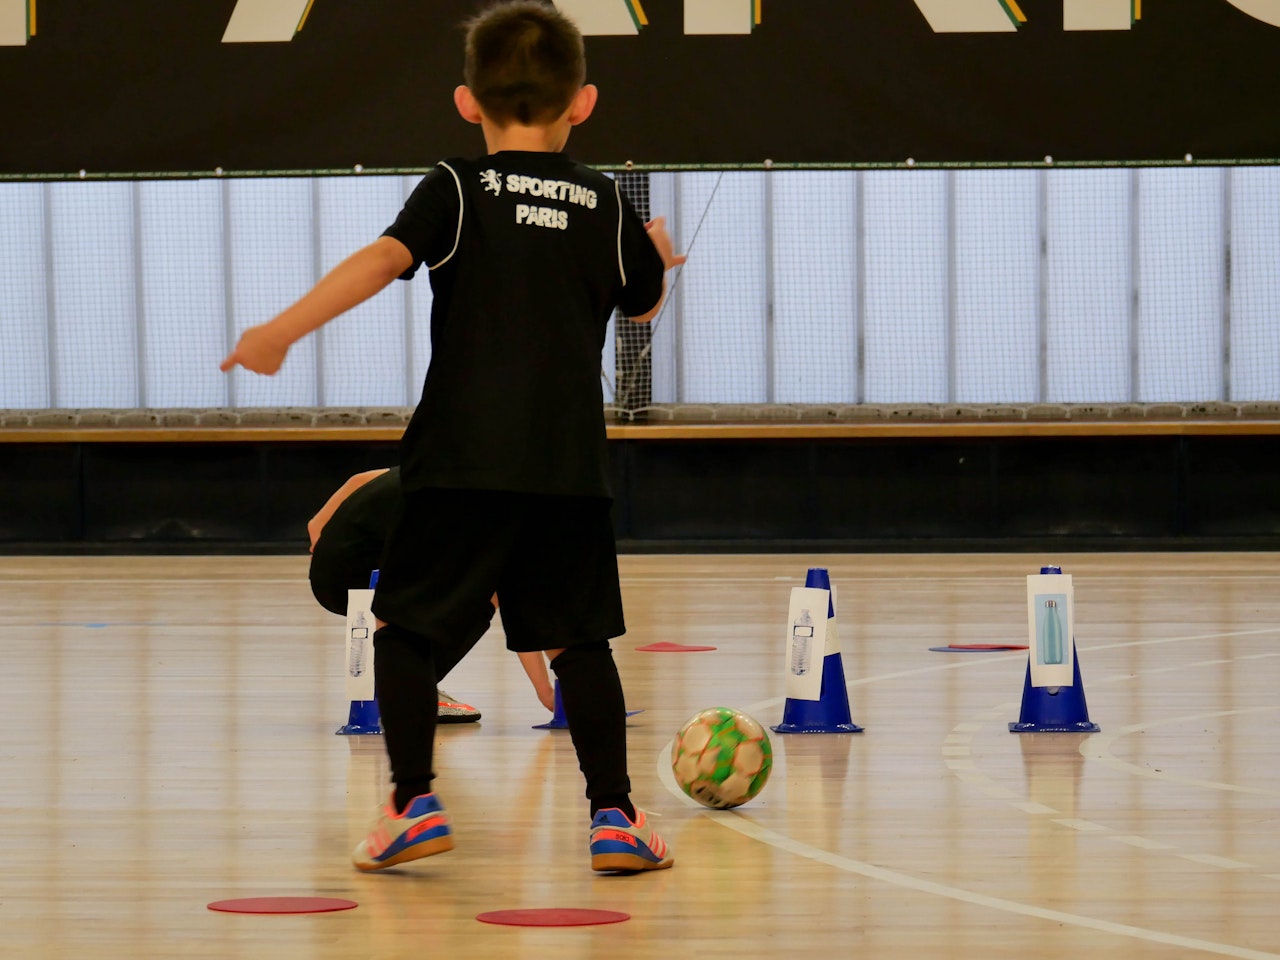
(150, 86)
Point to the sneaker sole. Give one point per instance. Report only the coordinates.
(627, 862)
(457, 718)
(428, 848)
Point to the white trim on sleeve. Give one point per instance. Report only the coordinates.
(457, 237)
(617, 191)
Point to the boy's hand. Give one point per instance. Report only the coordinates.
(259, 350)
(536, 669)
(657, 229)
(314, 527)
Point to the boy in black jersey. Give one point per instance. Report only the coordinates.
(504, 463)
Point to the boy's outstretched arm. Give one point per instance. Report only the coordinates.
(262, 349)
(657, 229)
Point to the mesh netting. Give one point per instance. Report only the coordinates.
(841, 290)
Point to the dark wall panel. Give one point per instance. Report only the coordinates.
(981, 494)
(148, 85)
(300, 477)
(1125, 487)
(1233, 487)
(726, 491)
(895, 490)
(160, 492)
(40, 493)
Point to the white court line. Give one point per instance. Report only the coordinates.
(1142, 843)
(1084, 826)
(1098, 747)
(748, 828)
(1037, 809)
(1195, 636)
(1226, 863)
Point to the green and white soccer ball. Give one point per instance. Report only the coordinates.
(721, 758)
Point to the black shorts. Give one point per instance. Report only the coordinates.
(551, 560)
(334, 572)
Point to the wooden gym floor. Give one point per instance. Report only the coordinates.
(167, 740)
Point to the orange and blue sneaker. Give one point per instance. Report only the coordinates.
(422, 830)
(449, 710)
(619, 845)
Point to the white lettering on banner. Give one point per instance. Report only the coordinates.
(278, 21)
(266, 21)
(1097, 14)
(1268, 11)
(17, 22)
(604, 18)
(1002, 16)
(720, 17)
(970, 16)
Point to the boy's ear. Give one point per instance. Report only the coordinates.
(466, 103)
(583, 103)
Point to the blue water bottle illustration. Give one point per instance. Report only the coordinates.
(1051, 648)
(801, 642)
(359, 644)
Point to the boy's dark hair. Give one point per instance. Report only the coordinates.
(524, 61)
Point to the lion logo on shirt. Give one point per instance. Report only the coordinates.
(491, 181)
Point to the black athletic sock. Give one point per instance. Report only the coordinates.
(591, 692)
(406, 790)
(405, 676)
(621, 802)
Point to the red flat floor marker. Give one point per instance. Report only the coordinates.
(552, 917)
(977, 647)
(665, 647)
(282, 905)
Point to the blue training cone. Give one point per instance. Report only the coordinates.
(559, 721)
(1054, 709)
(364, 716)
(830, 712)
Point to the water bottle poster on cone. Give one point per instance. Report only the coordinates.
(1051, 629)
(359, 659)
(806, 642)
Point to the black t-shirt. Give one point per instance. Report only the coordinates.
(529, 253)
